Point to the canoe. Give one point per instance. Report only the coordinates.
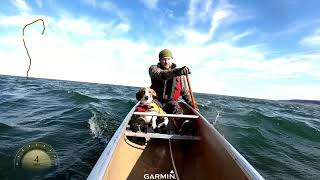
(203, 154)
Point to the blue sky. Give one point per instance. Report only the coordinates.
(260, 49)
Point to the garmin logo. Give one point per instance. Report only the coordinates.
(160, 176)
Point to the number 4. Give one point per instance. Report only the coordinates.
(37, 159)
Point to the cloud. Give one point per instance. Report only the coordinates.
(82, 48)
(233, 36)
(66, 25)
(218, 18)
(294, 29)
(204, 12)
(21, 5)
(150, 4)
(192, 11)
(294, 91)
(223, 68)
(83, 26)
(76, 44)
(227, 65)
(247, 32)
(193, 36)
(122, 27)
(19, 21)
(199, 11)
(312, 40)
(251, 64)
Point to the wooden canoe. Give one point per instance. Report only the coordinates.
(204, 155)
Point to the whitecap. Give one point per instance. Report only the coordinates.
(94, 127)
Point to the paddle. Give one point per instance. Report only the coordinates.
(191, 94)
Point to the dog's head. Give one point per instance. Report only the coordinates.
(146, 95)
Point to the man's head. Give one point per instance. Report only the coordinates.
(165, 58)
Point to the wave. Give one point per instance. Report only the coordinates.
(100, 120)
(69, 94)
(80, 97)
(279, 138)
(5, 127)
(105, 120)
(94, 126)
(14, 103)
(72, 95)
(293, 126)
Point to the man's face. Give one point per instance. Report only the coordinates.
(166, 62)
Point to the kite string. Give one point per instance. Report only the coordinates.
(24, 43)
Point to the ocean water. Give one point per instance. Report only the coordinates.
(280, 139)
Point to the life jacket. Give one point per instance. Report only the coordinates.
(167, 89)
(153, 107)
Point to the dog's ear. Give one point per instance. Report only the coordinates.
(139, 95)
(153, 93)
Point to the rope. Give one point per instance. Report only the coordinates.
(24, 43)
(172, 160)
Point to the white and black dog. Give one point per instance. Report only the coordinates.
(148, 103)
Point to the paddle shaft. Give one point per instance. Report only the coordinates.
(191, 94)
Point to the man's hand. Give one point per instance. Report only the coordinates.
(182, 71)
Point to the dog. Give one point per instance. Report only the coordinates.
(148, 103)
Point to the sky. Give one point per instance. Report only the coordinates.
(260, 49)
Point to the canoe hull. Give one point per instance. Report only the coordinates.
(211, 157)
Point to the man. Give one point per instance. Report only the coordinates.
(170, 82)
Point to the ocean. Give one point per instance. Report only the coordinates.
(281, 139)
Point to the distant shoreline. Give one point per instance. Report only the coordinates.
(303, 101)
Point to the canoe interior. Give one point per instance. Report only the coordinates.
(193, 159)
